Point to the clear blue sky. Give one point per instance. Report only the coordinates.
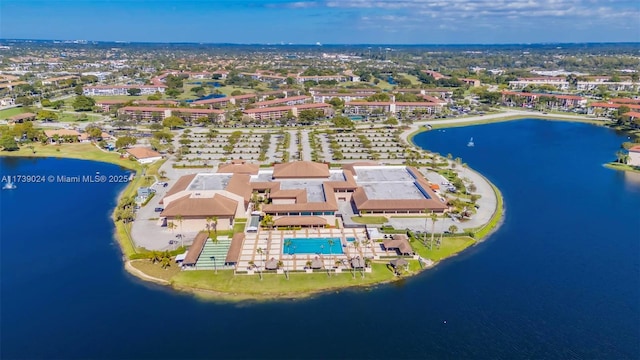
(324, 21)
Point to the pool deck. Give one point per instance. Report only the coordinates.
(272, 241)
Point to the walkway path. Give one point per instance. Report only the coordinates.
(306, 147)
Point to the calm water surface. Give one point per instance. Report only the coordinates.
(560, 279)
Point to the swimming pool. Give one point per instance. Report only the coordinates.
(312, 246)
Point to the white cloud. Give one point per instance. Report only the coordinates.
(488, 8)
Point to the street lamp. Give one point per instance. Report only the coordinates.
(214, 263)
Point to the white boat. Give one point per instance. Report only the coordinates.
(470, 143)
(9, 186)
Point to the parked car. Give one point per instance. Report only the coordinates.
(159, 209)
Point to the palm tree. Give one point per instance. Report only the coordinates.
(356, 245)
(155, 256)
(287, 245)
(330, 242)
(165, 261)
(366, 244)
(171, 226)
(178, 218)
(434, 218)
(453, 229)
(267, 220)
(308, 264)
(214, 223)
(260, 252)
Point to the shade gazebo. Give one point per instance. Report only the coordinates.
(317, 264)
(271, 264)
(396, 263)
(357, 263)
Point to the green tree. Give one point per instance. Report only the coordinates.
(336, 102)
(342, 122)
(163, 136)
(83, 103)
(267, 221)
(46, 115)
(94, 132)
(173, 122)
(78, 90)
(8, 143)
(134, 91)
(391, 121)
(125, 141)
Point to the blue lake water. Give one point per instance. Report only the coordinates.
(560, 279)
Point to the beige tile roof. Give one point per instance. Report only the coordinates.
(195, 249)
(239, 168)
(189, 207)
(300, 169)
(180, 185)
(61, 132)
(236, 247)
(143, 153)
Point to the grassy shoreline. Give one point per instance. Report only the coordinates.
(621, 167)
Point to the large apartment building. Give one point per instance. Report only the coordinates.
(110, 90)
(554, 100)
(287, 101)
(364, 107)
(279, 112)
(161, 113)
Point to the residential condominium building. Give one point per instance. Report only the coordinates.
(558, 82)
(363, 107)
(288, 101)
(365, 91)
(161, 113)
(324, 97)
(609, 107)
(279, 112)
(108, 105)
(561, 83)
(559, 100)
(110, 90)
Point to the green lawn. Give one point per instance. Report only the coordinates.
(66, 117)
(275, 285)
(7, 113)
(227, 90)
(450, 246)
(369, 219)
(414, 80)
(155, 270)
(623, 167)
(238, 227)
(84, 151)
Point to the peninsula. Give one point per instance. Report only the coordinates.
(256, 182)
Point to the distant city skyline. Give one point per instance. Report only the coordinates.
(324, 21)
